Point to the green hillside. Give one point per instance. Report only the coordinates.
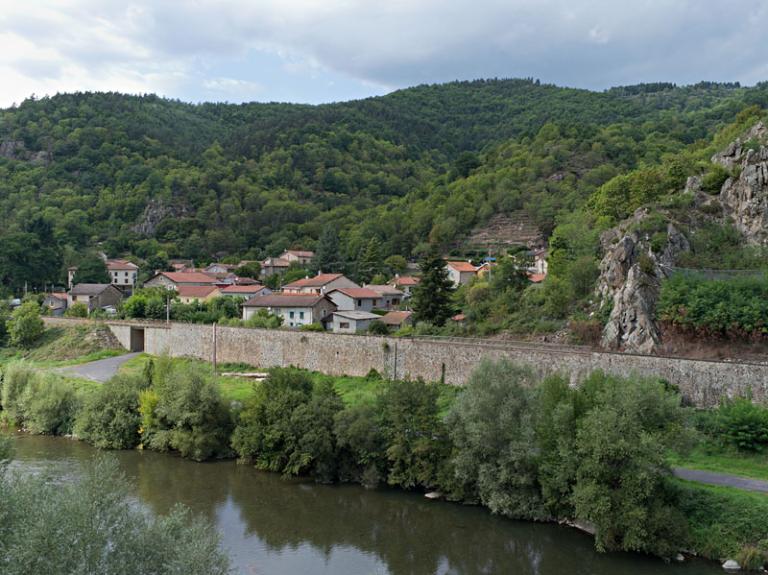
(154, 178)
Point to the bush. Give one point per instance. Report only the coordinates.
(743, 424)
(317, 326)
(17, 376)
(25, 326)
(110, 418)
(714, 179)
(360, 443)
(98, 529)
(492, 429)
(77, 309)
(50, 406)
(378, 328)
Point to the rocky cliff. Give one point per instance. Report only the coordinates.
(635, 263)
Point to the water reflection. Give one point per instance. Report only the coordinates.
(273, 525)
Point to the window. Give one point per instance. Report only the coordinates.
(291, 316)
(359, 303)
(301, 315)
(344, 325)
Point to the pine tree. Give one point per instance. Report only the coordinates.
(328, 253)
(432, 297)
(370, 262)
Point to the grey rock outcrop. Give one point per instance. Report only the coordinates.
(745, 197)
(630, 281)
(15, 150)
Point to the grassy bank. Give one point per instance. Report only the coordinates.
(709, 457)
(60, 346)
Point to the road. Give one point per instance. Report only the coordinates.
(101, 370)
(721, 479)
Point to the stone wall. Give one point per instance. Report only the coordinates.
(701, 382)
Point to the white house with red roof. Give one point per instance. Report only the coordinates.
(123, 273)
(295, 309)
(320, 284)
(390, 296)
(246, 291)
(172, 280)
(460, 273)
(355, 299)
(405, 284)
(301, 257)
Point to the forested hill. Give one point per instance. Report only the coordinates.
(154, 178)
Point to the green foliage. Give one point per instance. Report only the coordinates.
(50, 406)
(432, 296)
(25, 326)
(316, 327)
(110, 417)
(743, 424)
(721, 246)
(735, 307)
(77, 309)
(493, 432)
(378, 328)
(714, 179)
(361, 445)
(99, 529)
(91, 269)
(17, 377)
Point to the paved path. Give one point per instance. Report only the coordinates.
(721, 479)
(100, 370)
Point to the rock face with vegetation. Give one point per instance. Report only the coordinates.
(644, 249)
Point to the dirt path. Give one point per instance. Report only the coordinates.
(721, 479)
(101, 370)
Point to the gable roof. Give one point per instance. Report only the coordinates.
(357, 315)
(196, 291)
(89, 289)
(318, 281)
(286, 300)
(396, 317)
(462, 267)
(406, 281)
(242, 289)
(300, 253)
(383, 289)
(358, 293)
(120, 265)
(188, 277)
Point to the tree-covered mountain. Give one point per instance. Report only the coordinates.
(144, 176)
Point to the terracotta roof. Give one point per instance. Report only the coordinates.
(459, 317)
(407, 281)
(246, 281)
(396, 317)
(189, 277)
(300, 253)
(318, 281)
(89, 289)
(121, 265)
(358, 293)
(58, 295)
(536, 278)
(196, 291)
(242, 289)
(285, 300)
(383, 289)
(462, 266)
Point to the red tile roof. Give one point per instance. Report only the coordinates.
(407, 281)
(462, 266)
(536, 278)
(359, 293)
(244, 289)
(196, 291)
(396, 317)
(115, 265)
(318, 281)
(285, 300)
(459, 317)
(384, 289)
(189, 277)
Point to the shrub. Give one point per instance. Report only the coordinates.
(714, 179)
(50, 406)
(360, 443)
(743, 424)
(110, 418)
(77, 309)
(25, 326)
(492, 429)
(378, 328)
(317, 326)
(17, 376)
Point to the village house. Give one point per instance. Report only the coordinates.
(397, 319)
(56, 303)
(219, 268)
(272, 266)
(190, 294)
(390, 297)
(320, 284)
(297, 257)
(405, 284)
(123, 274)
(359, 299)
(181, 265)
(352, 321)
(95, 296)
(540, 265)
(246, 291)
(460, 273)
(172, 280)
(295, 309)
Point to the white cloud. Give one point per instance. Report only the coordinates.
(223, 48)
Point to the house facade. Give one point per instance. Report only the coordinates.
(460, 273)
(94, 296)
(390, 297)
(295, 309)
(352, 321)
(190, 294)
(172, 280)
(56, 303)
(124, 274)
(320, 284)
(405, 284)
(300, 257)
(246, 291)
(359, 299)
(272, 266)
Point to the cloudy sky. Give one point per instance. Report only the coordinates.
(326, 50)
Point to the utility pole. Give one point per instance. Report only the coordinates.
(215, 345)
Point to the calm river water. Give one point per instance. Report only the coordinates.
(270, 525)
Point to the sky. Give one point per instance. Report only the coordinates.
(317, 51)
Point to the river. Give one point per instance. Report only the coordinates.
(270, 525)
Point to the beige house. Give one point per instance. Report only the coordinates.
(352, 321)
(272, 266)
(95, 296)
(190, 294)
(460, 273)
(295, 309)
(123, 274)
(390, 297)
(297, 256)
(359, 299)
(320, 284)
(173, 280)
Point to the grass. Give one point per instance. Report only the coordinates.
(61, 346)
(723, 522)
(709, 457)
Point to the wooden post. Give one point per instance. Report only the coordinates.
(215, 338)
